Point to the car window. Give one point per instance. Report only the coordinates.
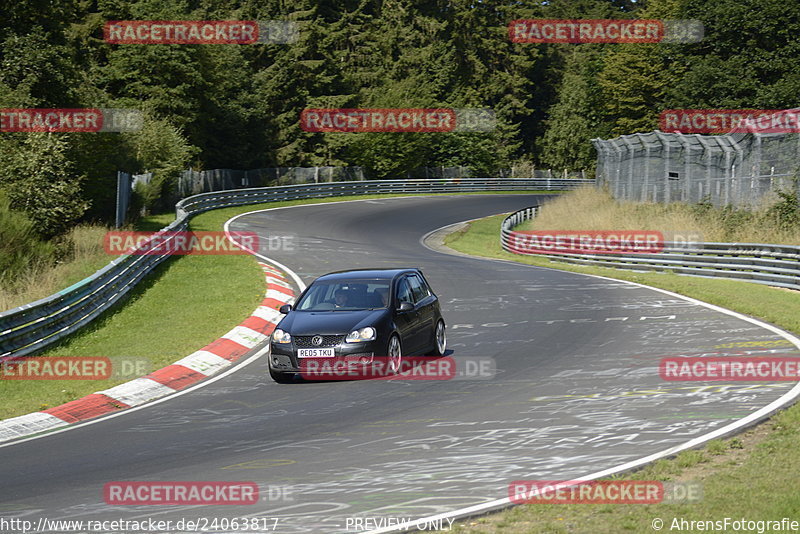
(418, 287)
(344, 295)
(404, 292)
(424, 284)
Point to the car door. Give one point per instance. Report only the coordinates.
(406, 321)
(426, 317)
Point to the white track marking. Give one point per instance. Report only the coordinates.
(137, 391)
(204, 362)
(21, 425)
(211, 380)
(732, 428)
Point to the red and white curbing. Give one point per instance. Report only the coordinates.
(201, 364)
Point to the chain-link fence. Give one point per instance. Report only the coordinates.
(515, 171)
(191, 182)
(733, 169)
(439, 172)
(194, 182)
(529, 171)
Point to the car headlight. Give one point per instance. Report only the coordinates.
(365, 334)
(279, 336)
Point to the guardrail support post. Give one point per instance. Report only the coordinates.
(123, 198)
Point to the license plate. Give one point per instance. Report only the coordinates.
(315, 353)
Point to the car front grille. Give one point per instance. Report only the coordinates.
(327, 341)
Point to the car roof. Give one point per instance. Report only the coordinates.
(374, 274)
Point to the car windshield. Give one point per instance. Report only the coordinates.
(345, 295)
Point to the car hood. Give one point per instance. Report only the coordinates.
(303, 323)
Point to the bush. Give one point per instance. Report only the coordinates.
(786, 211)
(21, 249)
(39, 181)
(162, 149)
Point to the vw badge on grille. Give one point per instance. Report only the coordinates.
(316, 341)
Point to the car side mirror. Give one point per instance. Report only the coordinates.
(286, 308)
(405, 306)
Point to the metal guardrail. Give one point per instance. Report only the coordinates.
(32, 327)
(205, 201)
(769, 264)
(35, 326)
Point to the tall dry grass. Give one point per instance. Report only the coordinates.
(81, 256)
(593, 209)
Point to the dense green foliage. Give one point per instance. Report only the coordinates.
(231, 106)
(20, 246)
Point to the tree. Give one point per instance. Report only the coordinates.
(577, 116)
(38, 180)
(747, 58)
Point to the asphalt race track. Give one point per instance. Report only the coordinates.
(576, 390)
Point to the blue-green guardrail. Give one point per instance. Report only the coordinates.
(762, 263)
(35, 326)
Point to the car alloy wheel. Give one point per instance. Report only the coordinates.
(441, 339)
(395, 354)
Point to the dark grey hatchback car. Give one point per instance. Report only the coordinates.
(355, 317)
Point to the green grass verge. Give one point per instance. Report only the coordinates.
(186, 303)
(753, 475)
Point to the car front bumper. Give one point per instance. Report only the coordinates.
(283, 356)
